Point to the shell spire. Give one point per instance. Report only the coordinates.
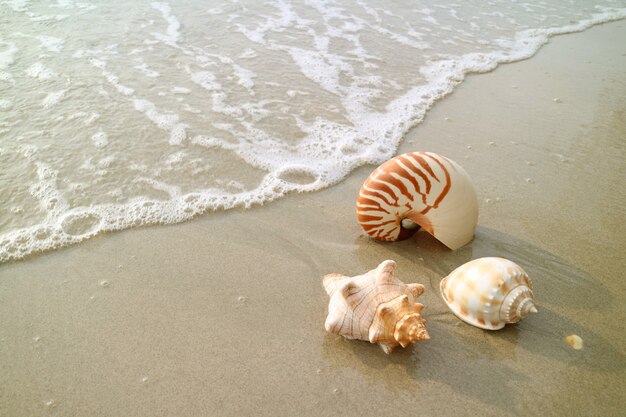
(419, 189)
(489, 293)
(376, 307)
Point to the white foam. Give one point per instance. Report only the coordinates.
(314, 66)
(173, 24)
(206, 79)
(6, 77)
(51, 43)
(40, 71)
(17, 5)
(245, 78)
(7, 56)
(248, 53)
(111, 78)
(163, 121)
(143, 68)
(180, 90)
(53, 98)
(5, 104)
(100, 139)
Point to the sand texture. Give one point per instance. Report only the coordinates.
(224, 315)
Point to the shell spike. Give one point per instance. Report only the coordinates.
(386, 272)
(404, 300)
(332, 281)
(386, 348)
(416, 289)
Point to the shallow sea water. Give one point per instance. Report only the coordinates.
(117, 114)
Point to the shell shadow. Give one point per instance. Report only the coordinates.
(550, 274)
(494, 359)
(437, 360)
(558, 285)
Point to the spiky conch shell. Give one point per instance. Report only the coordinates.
(429, 190)
(376, 307)
(489, 293)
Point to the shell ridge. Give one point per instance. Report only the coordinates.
(448, 185)
(426, 165)
(390, 189)
(383, 195)
(400, 190)
(410, 157)
(375, 199)
(411, 176)
(364, 208)
(406, 184)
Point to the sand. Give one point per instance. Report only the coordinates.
(224, 315)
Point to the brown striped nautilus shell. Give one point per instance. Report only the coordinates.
(419, 189)
(489, 293)
(376, 307)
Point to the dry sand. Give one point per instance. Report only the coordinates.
(224, 315)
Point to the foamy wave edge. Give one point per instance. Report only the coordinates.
(81, 223)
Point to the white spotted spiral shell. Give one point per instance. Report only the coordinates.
(376, 307)
(489, 293)
(420, 188)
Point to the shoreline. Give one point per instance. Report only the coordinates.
(105, 219)
(224, 314)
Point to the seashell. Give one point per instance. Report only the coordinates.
(489, 292)
(376, 307)
(419, 189)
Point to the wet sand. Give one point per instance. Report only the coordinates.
(224, 315)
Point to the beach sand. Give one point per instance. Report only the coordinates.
(224, 315)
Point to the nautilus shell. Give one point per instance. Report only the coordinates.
(489, 293)
(376, 307)
(419, 189)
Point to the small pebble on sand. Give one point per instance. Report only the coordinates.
(574, 341)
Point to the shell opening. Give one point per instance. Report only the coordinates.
(409, 224)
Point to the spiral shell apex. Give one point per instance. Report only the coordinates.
(489, 293)
(376, 307)
(419, 189)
